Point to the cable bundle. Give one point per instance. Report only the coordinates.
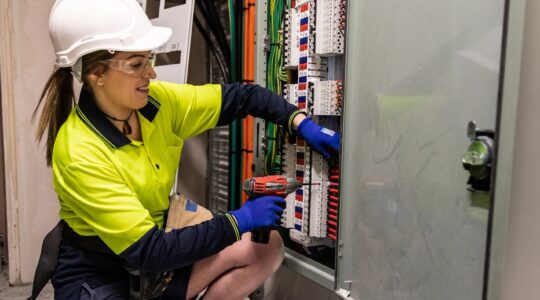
(275, 76)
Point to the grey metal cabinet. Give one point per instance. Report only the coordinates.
(417, 72)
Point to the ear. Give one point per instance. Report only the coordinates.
(96, 79)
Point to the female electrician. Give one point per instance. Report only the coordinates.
(114, 157)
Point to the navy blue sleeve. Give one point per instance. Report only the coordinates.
(159, 251)
(239, 100)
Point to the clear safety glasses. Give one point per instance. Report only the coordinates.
(136, 66)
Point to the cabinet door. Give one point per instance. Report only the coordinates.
(417, 72)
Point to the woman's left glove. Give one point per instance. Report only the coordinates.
(323, 140)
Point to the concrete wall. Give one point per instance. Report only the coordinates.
(522, 260)
(26, 61)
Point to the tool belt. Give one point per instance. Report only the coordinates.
(142, 285)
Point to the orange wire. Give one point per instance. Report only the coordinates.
(249, 74)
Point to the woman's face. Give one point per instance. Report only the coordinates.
(125, 83)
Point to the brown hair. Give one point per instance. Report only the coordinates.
(60, 98)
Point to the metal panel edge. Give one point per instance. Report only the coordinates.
(507, 115)
(346, 213)
(310, 269)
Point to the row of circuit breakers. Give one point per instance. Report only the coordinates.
(313, 48)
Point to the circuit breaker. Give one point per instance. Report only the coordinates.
(310, 42)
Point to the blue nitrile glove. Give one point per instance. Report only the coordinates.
(259, 212)
(319, 138)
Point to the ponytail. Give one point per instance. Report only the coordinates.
(59, 97)
(59, 100)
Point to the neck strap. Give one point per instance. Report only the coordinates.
(126, 128)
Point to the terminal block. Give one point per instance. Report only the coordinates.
(291, 30)
(331, 19)
(327, 98)
(290, 93)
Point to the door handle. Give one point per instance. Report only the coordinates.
(478, 158)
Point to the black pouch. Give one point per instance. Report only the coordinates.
(47, 259)
(148, 285)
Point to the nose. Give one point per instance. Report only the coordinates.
(150, 73)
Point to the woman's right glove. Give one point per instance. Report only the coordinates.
(259, 212)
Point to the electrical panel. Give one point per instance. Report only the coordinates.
(173, 57)
(312, 72)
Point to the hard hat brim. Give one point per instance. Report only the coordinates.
(156, 37)
(152, 40)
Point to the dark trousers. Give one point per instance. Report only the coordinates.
(82, 274)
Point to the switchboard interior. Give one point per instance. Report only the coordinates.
(304, 47)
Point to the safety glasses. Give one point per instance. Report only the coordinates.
(136, 66)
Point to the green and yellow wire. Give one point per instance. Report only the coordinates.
(275, 76)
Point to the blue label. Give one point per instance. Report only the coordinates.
(191, 206)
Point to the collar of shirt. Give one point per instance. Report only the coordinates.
(98, 122)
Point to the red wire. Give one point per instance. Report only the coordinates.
(333, 203)
(331, 223)
(333, 198)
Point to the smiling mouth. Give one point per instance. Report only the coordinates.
(143, 89)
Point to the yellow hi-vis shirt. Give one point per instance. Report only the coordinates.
(116, 188)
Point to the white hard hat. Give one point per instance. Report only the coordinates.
(79, 27)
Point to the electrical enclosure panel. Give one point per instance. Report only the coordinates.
(313, 82)
(403, 224)
(173, 57)
(317, 96)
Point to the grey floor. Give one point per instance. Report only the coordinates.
(8, 292)
(285, 285)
